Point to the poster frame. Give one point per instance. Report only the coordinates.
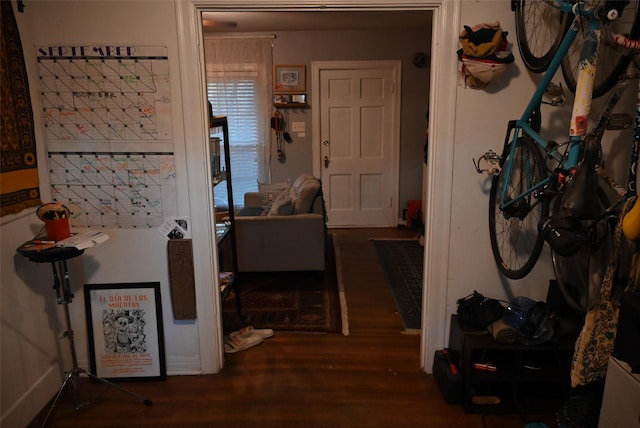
(140, 305)
(289, 78)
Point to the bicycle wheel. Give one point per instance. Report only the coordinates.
(613, 60)
(580, 276)
(539, 30)
(516, 241)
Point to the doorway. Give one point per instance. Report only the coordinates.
(356, 143)
(446, 18)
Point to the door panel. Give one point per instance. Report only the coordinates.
(356, 121)
(371, 191)
(340, 133)
(340, 199)
(372, 132)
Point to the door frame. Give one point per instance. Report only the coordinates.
(396, 65)
(437, 181)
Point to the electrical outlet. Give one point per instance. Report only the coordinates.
(298, 127)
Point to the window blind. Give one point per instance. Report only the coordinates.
(234, 95)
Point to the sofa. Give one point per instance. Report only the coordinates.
(282, 227)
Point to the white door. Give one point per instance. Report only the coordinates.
(359, 142)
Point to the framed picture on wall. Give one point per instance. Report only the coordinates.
(124, 324)
(289, 78)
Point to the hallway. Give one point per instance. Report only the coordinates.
(371, 378)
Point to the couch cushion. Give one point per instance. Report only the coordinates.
(250, 212)
(306, 193)
(269, 192)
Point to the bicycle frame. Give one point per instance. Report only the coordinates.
(624, 192)
(581, 106)
(524, 180)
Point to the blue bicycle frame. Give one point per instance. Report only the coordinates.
(588, 61)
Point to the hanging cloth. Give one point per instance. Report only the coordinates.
(596, 340)
(19, 185)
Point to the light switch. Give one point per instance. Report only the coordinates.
(298, 127)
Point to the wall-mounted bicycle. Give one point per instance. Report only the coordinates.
(593, 43)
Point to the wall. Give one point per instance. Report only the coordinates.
(34, 353)
(481, 120)
(303, 47)
(481, 123)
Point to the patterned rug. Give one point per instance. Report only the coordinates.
(402, 261)
(291, 301)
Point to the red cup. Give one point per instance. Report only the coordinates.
(57, 230)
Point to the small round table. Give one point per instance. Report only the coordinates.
(58, 257)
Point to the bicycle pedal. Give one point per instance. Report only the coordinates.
(554, 95)
(492, 159)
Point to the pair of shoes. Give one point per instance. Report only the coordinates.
(249, 331)
(246, 338)
(240, 343)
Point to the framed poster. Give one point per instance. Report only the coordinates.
(124, 322)
(289, 78)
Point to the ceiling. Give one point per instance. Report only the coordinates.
(251, 22)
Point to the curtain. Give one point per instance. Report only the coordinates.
(19, 184)
(239, 79)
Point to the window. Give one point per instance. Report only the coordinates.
(239, 73)
(234, 96)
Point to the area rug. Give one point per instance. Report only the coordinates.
(402, 261)
(311, 302)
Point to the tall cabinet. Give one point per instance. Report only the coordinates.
(225, 222)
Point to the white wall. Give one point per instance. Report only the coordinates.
(481, 123)
(34, 354)
(32, 350)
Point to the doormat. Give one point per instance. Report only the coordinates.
(402, 261)
(306, 301)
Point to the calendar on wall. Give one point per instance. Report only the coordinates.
(105, 93)
(114, 189)
(105, 110)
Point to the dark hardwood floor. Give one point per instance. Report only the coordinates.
(371, 378)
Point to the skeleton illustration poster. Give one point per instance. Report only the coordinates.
(125, 331)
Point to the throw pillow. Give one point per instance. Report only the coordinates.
(283, 205)
(301, 179)
(269, 192)
(307, 193)
(297, 185)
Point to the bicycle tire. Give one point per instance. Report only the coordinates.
(612, 59)
(580, 275)
(540, 28)
(516, 241)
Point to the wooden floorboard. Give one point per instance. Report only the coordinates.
(371, 378)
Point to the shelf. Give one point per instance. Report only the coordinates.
(221, 178)
(290, 105)
(226, 280)
(219, 122)
(534, 398)
(527, 377)
(222, 230)
(225, 230)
